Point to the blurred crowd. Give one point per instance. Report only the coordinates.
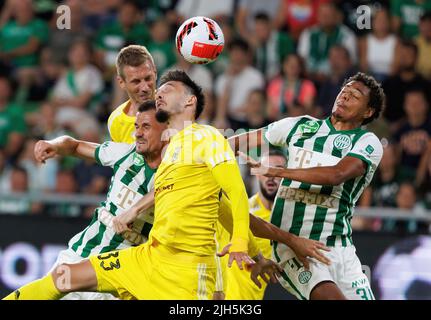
(281, 58)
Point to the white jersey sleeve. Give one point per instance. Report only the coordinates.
(108, 153)
(277, 132)
(369, 149)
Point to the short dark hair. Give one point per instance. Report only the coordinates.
(262, 16)
(196, 90)
(239, 43)
(377, 96)
(274, 151)
(147, 106)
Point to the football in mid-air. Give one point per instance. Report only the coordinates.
(199, 40)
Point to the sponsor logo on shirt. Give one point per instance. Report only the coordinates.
(307, 197)
(309, 127)
(369, 149)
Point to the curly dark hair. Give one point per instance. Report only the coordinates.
(194, 89)
(377, 98)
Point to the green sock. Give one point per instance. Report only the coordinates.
(42, 289)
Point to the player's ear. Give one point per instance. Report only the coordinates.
(191, 101)
(121, 82)
(370, 111)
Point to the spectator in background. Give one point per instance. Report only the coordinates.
(406, 200)
(234, 85)
(289, 87)
(341, 69)
(270, 46)
(41, 177)
(406, 15)
(203, 77)
(127, 28)
(20, 41)
(297, 15)
(65, 185)
(161, 46)
(256, 109)
(217, 10)
(12, 124)
(44, 124)
(98, 13)
(5, 170)
(315, 42)
(246, 12)
(18, 184)
(77, 92)
(423, 177)
(413, 137)
(383, 190)
(377, 49)
(406, 79)
(423, 42)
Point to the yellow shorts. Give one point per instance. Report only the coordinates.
(239, 285)
(155, 272)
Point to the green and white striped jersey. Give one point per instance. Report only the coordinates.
(131, 180)
(313, 211)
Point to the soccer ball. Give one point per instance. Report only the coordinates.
(199, 40)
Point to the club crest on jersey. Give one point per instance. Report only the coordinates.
(309, 127)
(343, 141)
(138, 159)
(304, 277)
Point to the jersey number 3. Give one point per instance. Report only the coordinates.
(112, 264)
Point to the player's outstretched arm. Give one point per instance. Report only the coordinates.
(64, 146)
(228, 176)
(303, 247)
(246, 141)
(348, 168)
(121, 223)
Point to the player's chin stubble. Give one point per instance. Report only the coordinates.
(162, 116)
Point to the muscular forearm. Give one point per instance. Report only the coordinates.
(328, 176)
(68, 146)
(143, 204)
(266, 230)
(234, 188)
(225, 218)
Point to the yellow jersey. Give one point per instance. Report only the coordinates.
(258, 209)
(186, 193)
(122, 126)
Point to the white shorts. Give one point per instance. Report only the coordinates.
(70, 257)
(345, 271)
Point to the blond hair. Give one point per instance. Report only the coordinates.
(133, 55)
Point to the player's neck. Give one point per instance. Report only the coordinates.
(132, 108)
(341, 125)
(153, 159)
(180, 121)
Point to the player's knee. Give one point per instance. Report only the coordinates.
(326, 290)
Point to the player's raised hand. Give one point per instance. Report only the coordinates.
(122, 222)
(240, 257)
(44, 150)
(267, 269)
(307, 248)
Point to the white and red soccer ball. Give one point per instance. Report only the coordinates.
(199, 40)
